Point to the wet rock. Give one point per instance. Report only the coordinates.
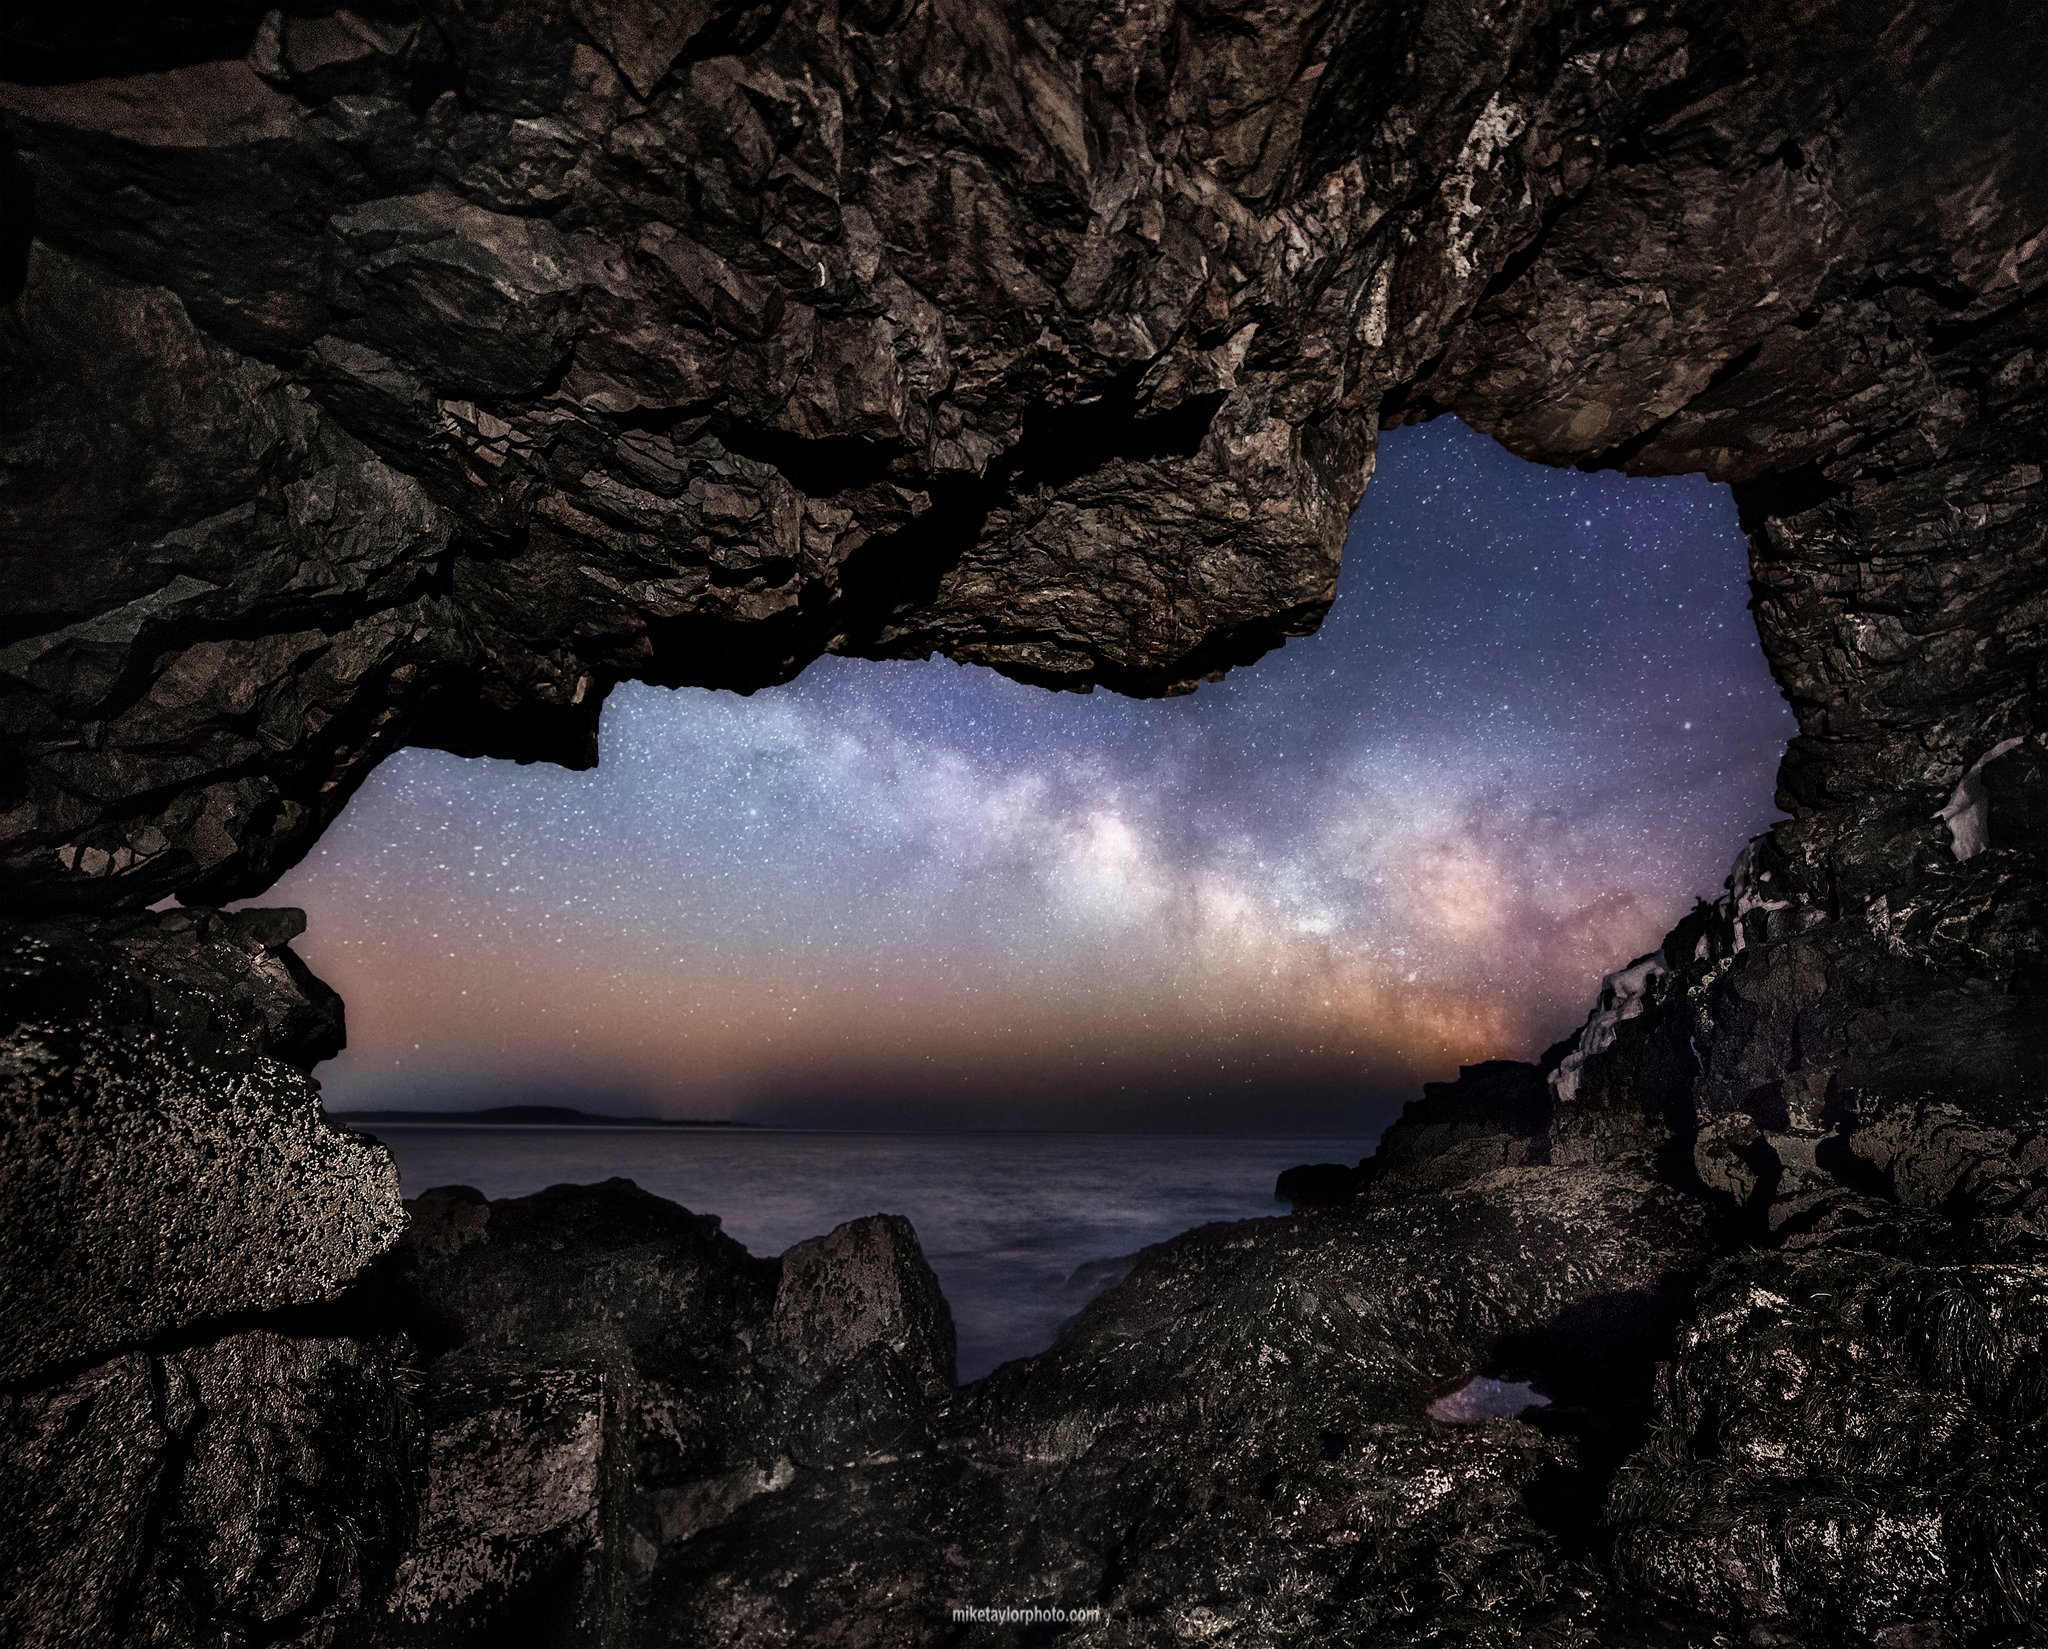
(1734, 1161)
(1841, 1447)
(608, 1377)
(1235, 1440)
(860, 1318)
(864, 1285)
(1252, 1400)
(1934, 1159)
(607, 1275)
(512, 1525)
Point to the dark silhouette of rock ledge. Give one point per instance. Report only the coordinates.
(412, 375)
(1316, 1184)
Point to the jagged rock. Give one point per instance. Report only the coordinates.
(1934, 1159)
(669, 1430)
(1768, 1023)
(1734, 1160)
(1496, 1115)
(168, 1178)
(864, 1285)
(166, 1160)
(1233, 1441)
(604, 1274)
(455, 371)
(513, 1525)
(860, 1318)
(1842, 1449)
(222, 984)
(413, 375)
(608, 1376)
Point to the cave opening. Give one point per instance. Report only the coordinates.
(401, 371)
(889, 904)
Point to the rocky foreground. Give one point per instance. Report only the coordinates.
(413, 373)
(1793, 1354)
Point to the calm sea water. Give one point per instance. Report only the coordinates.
(1022, 1229)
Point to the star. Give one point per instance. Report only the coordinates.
(1414, 839)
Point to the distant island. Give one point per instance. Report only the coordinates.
(534, 1116)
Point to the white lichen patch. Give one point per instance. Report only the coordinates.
(1968, 813)
(1623, 995)
(1498, 125)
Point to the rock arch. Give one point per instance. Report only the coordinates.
(427, 369)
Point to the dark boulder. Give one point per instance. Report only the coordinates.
(608, 1376)
(1316, 1185)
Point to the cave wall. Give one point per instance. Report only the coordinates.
(421, 375)
(415, 373)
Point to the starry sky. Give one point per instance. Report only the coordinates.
(1535, 726)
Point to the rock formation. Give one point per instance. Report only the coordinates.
(415, 372)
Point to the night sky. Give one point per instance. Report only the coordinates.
(1536, 724)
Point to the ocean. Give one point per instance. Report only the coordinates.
(1022, 1229)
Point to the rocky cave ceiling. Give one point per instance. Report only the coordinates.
(426, 372)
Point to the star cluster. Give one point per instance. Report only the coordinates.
(1536, 724)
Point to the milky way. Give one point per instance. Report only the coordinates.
(1536, 725)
